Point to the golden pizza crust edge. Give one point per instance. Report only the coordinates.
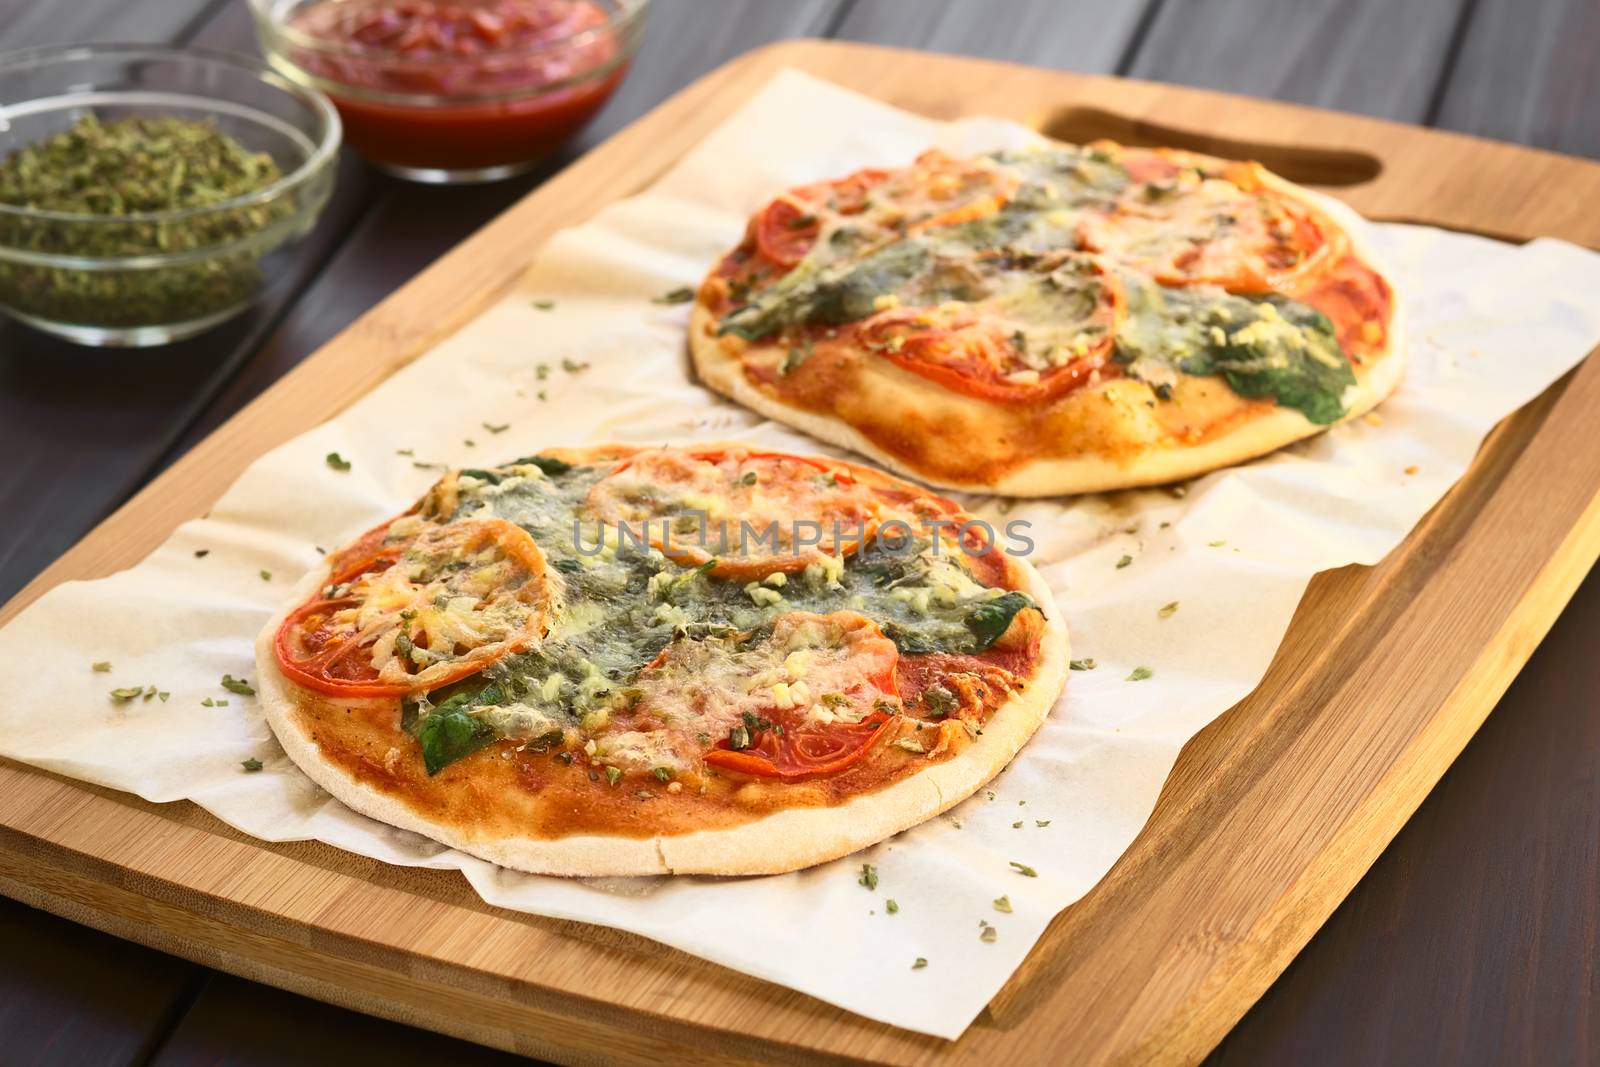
(720, 362)
(786, 840)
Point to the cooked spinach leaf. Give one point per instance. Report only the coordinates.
(910, 640)
(984, 624)
(830, 295)
(993, 617)
(1270, 347)
(449, 731)
(1288, 352)
(549, 464)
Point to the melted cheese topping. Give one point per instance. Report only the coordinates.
(754, 512)
(821, 668)
(454, 590)
(1194, 228)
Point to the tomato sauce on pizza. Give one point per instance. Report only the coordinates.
(956, 318)
(531, 652)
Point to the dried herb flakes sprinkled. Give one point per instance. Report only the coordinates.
(237, 685)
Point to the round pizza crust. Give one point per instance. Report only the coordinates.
(720, 367)
(774, 844)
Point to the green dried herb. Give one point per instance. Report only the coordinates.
(132, 172)
(237, 685)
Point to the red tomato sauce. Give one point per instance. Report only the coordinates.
(511, 79)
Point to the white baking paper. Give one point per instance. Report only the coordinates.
(1490, 327)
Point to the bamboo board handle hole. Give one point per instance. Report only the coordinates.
(1298, 163)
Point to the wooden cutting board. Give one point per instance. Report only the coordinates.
(1271, 816)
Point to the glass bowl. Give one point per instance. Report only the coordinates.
(428, 95)
(150, 278)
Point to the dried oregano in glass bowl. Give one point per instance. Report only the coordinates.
(147, 212)
(145, 174)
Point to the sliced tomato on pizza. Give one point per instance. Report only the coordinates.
(747, 513)
(1029, 344)
(404, 613)
(1227, 229)
(805, 699)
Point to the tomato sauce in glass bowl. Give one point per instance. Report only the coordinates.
(455, 90)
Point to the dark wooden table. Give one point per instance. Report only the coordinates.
(1473, 939)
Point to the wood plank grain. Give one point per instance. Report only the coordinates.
(406, 226)
(244, 1023)
(1270, 817)
(69, 994)
(1088, 37)
(27, 23)
(1371, 56)
(86, 427)
(686, 39)
(1528, 73)
(1472, 940)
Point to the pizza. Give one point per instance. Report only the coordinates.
(1049, 320)
(622, 661)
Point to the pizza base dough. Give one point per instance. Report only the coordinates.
(723, 371)
(773, 844)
